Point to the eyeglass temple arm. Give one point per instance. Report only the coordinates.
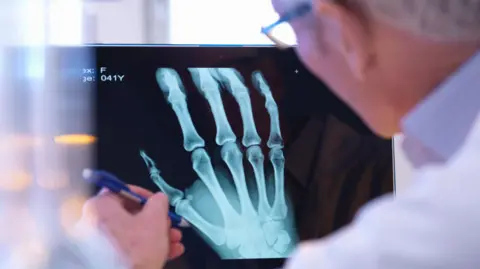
(299, 11)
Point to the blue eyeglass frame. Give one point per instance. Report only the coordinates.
(299, 11)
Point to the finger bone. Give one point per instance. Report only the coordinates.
(174, 195)
(227, 76)
(169, 82)
(260, 83)
(275, 138)
(148, 161)
(209, 87)
(234, 84)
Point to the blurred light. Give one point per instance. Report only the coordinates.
(35, 65)
(75, 139)
(53, 180)
(15, 143)
(27, 141)
(35, 250)
(202, 27)
(71, 212)
(19, 142)
(16, 217)
(16, 181)
(33, 21)
(20, 231)
(65, 22)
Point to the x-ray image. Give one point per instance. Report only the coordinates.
(251, 149)
(238, 222)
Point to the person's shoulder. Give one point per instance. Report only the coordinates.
(459, 176)
(469, 153)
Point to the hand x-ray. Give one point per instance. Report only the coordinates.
(249, 147)
(239, 223)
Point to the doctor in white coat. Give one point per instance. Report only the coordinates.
(409, 66)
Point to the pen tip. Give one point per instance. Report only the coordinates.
(87, 173)
(184, 224)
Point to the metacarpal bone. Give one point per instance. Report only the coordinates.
(216, 234)
(169, 82)
(275, 138)
(233, 157)
(203, 167)
(234, 84)
(256, 159)
(174, 195)
(279, 208)
(210, 89)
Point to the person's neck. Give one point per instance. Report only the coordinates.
(432, 68)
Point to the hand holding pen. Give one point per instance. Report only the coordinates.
(139, 231)
(109, 181)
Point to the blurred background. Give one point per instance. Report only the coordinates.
(178, 21)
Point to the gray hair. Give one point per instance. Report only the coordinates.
(442, 20)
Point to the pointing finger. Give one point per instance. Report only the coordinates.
(156, 208)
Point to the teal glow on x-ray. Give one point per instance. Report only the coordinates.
(237, 221)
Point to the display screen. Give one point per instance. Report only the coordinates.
(253, 150)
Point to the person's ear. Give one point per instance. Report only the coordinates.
(353, 35)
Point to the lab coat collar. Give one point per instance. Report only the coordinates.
(443, 120)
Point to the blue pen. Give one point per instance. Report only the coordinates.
(107, 180)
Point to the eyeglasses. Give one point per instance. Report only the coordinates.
(270, 30)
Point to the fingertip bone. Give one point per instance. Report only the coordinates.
(230, 79)
(147, 160)
(170, 83)
(260, 83)
(204, 80)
